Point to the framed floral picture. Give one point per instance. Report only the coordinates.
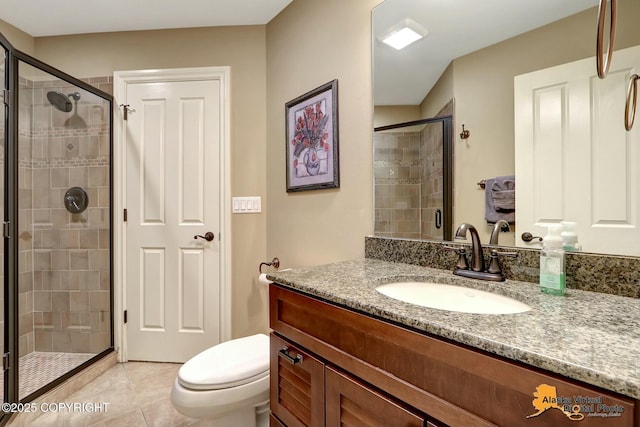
(312, 140)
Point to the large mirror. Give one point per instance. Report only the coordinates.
(467, 61)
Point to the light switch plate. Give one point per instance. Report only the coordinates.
(246, 205)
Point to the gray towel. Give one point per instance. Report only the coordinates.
(491, 215)
(503, 192)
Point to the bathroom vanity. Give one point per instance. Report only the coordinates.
(344, 354)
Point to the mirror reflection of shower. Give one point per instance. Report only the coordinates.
(62, 102)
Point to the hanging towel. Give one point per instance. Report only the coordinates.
(503, 192)
(491, 214)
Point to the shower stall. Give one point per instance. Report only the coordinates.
(413, 179)
(56, 180)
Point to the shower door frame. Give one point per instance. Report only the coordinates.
(10, 224)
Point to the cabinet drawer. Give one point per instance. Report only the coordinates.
(350, 403)
(296, 385)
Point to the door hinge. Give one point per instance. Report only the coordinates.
(125, 316)
(6, 96)
(5, 361)
(5, 229)
(124, 215)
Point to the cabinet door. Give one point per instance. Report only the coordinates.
(296, 385)
(351, 403)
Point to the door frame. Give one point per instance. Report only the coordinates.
(120, 81)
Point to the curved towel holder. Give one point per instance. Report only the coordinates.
(603, 59)
(275, 263)
(632, 101)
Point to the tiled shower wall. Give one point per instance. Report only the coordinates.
(396, 172)
(64, 283)
(407, 168)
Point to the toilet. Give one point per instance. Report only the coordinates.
(227, 384)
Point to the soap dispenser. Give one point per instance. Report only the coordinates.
(569, 237)
(552, 275)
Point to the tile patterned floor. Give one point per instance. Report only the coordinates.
(137, 395)
(38, 369)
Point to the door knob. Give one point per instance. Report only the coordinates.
(528, 237)
(208, 236)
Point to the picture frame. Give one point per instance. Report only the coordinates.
(312, 140)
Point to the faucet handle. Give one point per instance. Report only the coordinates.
(494, 267)
(462, 263)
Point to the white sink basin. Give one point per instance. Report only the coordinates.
(452, 298)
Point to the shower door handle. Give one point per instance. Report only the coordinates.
(208, 236)
(438, 218)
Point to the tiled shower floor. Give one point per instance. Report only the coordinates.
(38, 369)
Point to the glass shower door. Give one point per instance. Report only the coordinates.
(432, 181)
(55, 190)
(64, 227)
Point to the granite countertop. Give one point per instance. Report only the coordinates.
(587, 336)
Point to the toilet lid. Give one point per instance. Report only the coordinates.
(229, 364)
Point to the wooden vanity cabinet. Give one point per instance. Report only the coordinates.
(305, 392)
(358, 370)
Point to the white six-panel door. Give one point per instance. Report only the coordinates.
(174, 135)
(574, 159)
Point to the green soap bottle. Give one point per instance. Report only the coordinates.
(552, 275)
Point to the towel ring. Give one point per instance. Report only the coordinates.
(603, 60)
(632, 101)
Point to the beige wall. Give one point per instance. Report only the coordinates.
(439, 96)
(19, 39)
(483, 91)
(242, 48)
(384, 115)
(308, 44)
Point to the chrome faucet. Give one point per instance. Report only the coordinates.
(501, 224)
(477, 270)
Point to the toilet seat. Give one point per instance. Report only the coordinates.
(229, 364)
